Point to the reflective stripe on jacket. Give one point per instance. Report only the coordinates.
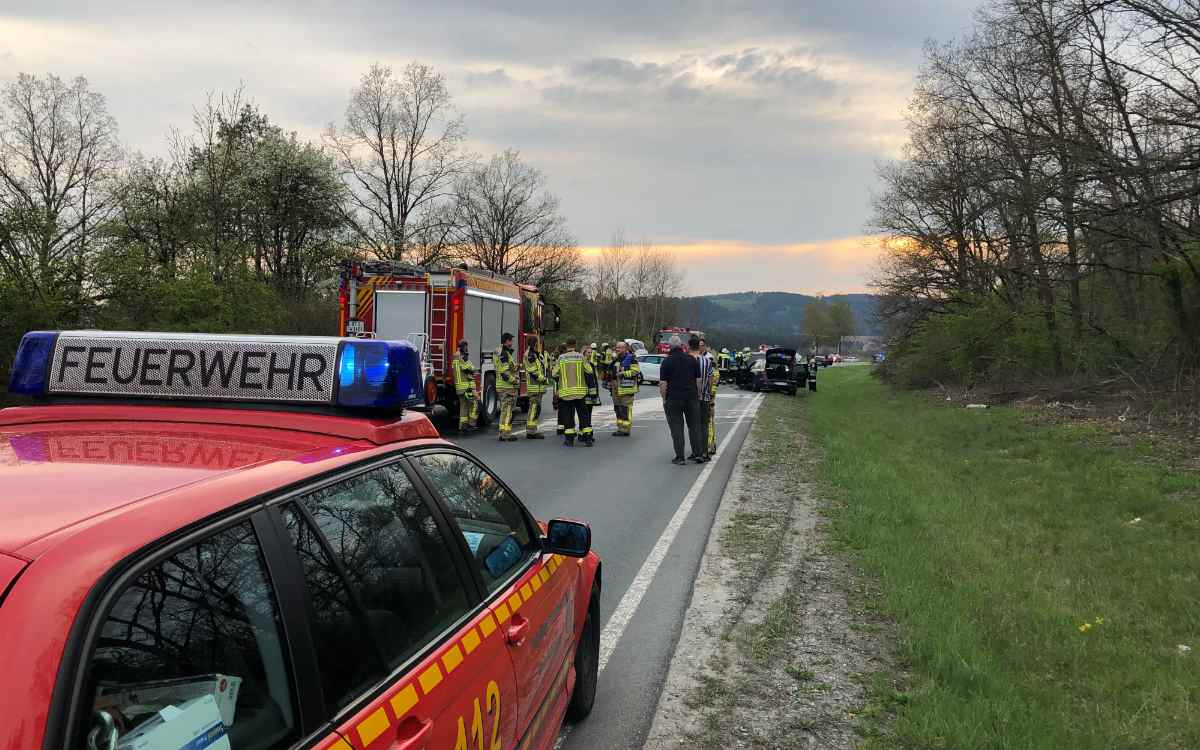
(568, 371)
(506, 370)
(464, 375)
(536, 372)
(627, 371)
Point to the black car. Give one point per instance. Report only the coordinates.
(744, 376)
(776, 371)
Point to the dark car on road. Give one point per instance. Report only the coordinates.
(776, 371)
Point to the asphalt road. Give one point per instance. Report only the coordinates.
(650, 522)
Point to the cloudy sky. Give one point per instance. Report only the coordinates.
(743, 134)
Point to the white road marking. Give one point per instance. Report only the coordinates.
(611, 635)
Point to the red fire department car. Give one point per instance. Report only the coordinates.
(240, 543)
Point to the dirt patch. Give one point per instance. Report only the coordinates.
(777, 648)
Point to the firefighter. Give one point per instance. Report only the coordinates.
(607, 357)
(571, 390)
(507, 383)
(535, 373)
(708, 400)
(560, 428)
(592, 400)
(464, 386)
(624, 387)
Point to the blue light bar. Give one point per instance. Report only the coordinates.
(31, 368)
(311, 370)
(378, 374)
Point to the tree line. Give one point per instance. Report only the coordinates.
(241, 226)
(1044, 221)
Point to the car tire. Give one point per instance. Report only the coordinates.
(489, 406)
(587, 663)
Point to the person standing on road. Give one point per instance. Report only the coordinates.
(624, 385)
(560, 428)
(507, 383)
(535, 372)
(710, 376)
(571, 389)
(464, 386)
(679, 385)
(592, 400)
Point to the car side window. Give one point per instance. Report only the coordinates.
(192, 651)
(380, 559)
(495, 528)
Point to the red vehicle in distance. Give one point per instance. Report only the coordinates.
(662, 339)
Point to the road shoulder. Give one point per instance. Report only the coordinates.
(777, 647)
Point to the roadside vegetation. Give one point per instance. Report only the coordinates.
(1043, 581)
(1042, 226)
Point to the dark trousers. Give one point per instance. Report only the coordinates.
(567, 411)
(679, 412)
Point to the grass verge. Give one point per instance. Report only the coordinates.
(1043, 580)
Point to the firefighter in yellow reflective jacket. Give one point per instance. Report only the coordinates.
(551, 369)
(464, 386)
(571, 390)
(591, 376)
(624, 386)
(508, 382)
(535, 378)
(710, 376)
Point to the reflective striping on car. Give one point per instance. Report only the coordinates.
(374, 725)
(406, 697)
(471, 641)
(403, 701)
(514, 601)
(452, 658)
(430, 678)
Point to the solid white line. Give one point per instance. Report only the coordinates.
(629, 603)
(641, 583)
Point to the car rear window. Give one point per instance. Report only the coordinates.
(194, 645)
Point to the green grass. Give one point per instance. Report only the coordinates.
(994, 541)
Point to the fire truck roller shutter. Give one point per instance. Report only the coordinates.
(473, 329)
(399, 314)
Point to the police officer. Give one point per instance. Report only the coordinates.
(507, 383)
(535, 373)
(464, 386)
(624, 387)
(571, 390)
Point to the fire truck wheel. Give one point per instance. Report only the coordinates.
(489, 407)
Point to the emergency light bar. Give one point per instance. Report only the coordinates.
(311, 370)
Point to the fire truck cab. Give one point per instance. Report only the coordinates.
(435, 308)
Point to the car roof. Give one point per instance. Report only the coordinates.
(62, 465)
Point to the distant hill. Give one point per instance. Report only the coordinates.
(752, 318)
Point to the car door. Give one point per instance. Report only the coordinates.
(532, 601)
(408, 655)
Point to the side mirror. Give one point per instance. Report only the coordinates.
(570, 538)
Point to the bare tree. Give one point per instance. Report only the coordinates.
(400, 151)
(58, 155)
(507, 221)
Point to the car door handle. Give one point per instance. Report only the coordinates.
(413, 734)
(517, 629)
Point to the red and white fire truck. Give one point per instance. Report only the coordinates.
(662, 339)
(435, 308)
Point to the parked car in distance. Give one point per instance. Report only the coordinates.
(637, 347)
(650, 363)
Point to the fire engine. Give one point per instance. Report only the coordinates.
(662, 339)
(435, 308)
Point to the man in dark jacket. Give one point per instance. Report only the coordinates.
(679, 384)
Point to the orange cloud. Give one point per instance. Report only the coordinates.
(838, 265)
